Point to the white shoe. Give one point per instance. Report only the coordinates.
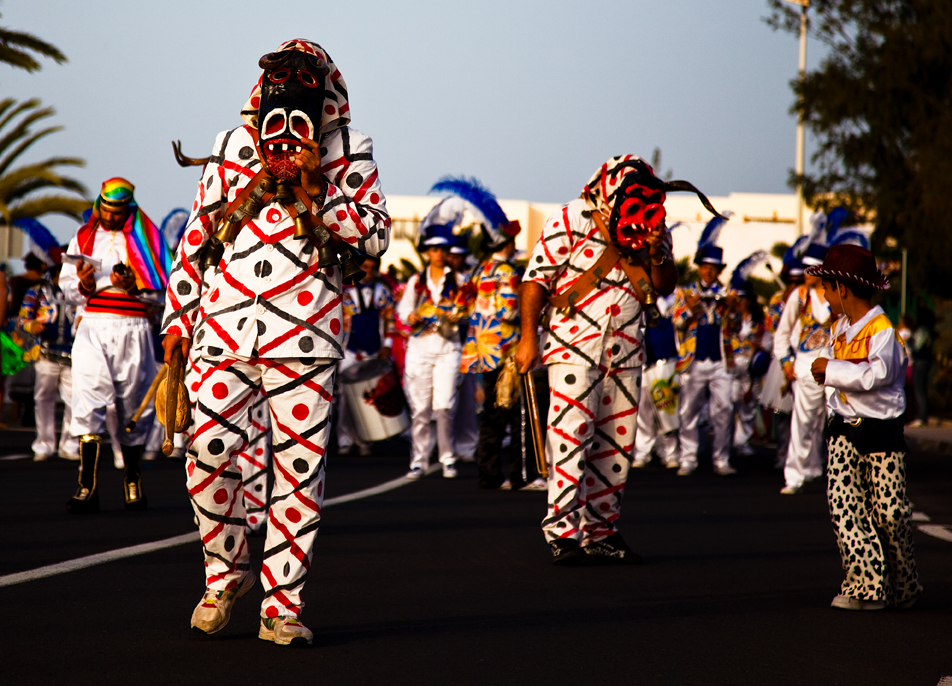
(790, 490)
(724, 470)
(117, 461)
(686, 470)
(69, 456)
(150, 457)
(416, 473)
(640, 462)
(504, 486)
(914, 424)
(672, 463)
(41, 458)
(285, 631)
(539, 484)
(214, 611)
(449, 472)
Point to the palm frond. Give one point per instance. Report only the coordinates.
(10, 157)
(50, 204)
(19, 56)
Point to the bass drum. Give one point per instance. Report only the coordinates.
(664, 387)
(375, 399)
(777, 393)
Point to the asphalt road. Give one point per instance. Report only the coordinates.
(438, 582)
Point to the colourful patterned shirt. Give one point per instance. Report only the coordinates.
(804, 327)
(494, 319)
(711, 311)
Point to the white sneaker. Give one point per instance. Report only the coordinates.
(724, 470)
(672, 463)
(40, 458)
(504, 486)
(790, 490)
(214, 610)
(449, 471)
(915, 424)
(640, 462)
(117, 461)
(845, 602)
(285, 631)
(539, 484)
(686, 470)
(416, 473)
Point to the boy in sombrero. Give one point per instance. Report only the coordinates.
(863, 368)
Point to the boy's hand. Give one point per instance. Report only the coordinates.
(818, 369)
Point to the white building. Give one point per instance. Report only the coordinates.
(759, 221)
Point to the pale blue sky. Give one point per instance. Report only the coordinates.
(528, 96)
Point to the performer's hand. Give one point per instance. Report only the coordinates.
(414, 318)
(527, 354)
(657, 243)
(692, 300)
(37, 328)
(170, 343)
(87, 275)
(384, 353)
(309, 161)
(788, 371)
(818, 369)
(124, 282)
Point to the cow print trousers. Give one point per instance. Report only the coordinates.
(589, 443)
(871, 515)
(299, 393)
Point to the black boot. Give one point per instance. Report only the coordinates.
(86, 500)
(132, 483)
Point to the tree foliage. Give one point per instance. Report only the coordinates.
(880, 108)
(32, 189)
(18, 49)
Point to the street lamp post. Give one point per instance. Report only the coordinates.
(804, 4)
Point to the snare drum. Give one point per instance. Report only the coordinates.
(375, 399)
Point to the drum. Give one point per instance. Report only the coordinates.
(664, 386)
(777, 393)
(375, 399)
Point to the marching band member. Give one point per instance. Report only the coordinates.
(117, 264)
(465, 423)
(803, 332)
(863, 368)
(430, 306)
(368, 317)
(279, 201)
(592, 345)
(702, 314)
(661, 347)
(749, 335)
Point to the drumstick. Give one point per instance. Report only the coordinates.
(176, 372)
(149, 395)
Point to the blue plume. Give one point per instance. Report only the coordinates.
(712, 231)
(833, 221)
(473, 192)
(851, 237)
(743, 270)
(173, 226)
(795, 251)
(39, 234)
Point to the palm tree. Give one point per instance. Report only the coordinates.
(14, 47)
(21, 187)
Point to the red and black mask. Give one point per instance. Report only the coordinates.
(292, 100)
(637, 207)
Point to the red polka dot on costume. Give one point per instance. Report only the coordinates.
(335, 326)
(590, 481)
(374, 198)
(565, 356)
(333, 227)
(604, 507)
(191, 468)
(555, 509)
(588, 252)
(194, 237)
(622, 430)
(320, 489)
(557, 408)
(583, 428)
(560, 482)
(255, 102)
(259, 451)
(574, 329)
(555, 224)
(341, 215)
(195, 387)
(272, 612)
(606, 400)
(221, 496)
(329, 109)
(220, 391)
(300, 412)
(174, 331)
(351, 239)
(214, 295)
(563, 250)
(615, 310)
(305, 298)
(274, 216)
(292, 515)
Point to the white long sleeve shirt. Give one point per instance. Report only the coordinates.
(427, 341)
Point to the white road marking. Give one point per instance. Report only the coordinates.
(936, 530)
(921, 517)
(18, 457)
(143, 548)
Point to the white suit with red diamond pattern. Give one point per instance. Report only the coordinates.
(269, 318)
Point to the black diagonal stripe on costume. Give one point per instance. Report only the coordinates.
(209, 469)
(288, 586)
(348, 155)
(317, 428)
(218, 156)
(303, 324)
(579, 398)
(174, 316)
(238, 374)
(234, 308)
(247, 253)
(625, 391)
(221, 519)
(612, 442)
(290, 256)
(284, 545)
(339, 87)
(576, 350)
(205, 210)
(224, 423)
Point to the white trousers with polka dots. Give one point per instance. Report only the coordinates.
(299, 396)
(589, 442)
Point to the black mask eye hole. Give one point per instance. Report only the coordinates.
(279, 75)
(307, 78)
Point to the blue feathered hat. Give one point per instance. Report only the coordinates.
(824, 229)
(496, 227)
(741, 274)
(42, 242)
(791, 258)
(459, 243)
(435, 236)
(708, 252)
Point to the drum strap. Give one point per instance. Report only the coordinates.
(633, 267)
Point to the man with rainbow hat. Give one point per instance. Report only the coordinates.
(117, 264)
